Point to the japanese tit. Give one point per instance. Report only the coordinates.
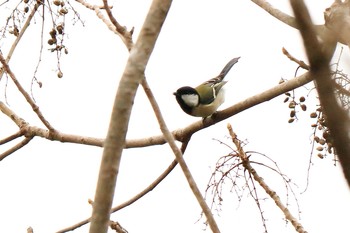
(205, 99)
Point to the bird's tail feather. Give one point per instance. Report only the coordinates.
(227, 68)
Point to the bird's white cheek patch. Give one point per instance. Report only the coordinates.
(190, 100)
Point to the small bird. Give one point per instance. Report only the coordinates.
(205, 99)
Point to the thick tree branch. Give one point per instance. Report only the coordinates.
(115, 140)
(336, 118)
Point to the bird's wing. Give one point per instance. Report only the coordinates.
(208, 91)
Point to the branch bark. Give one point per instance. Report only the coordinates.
(115, 141)
(337, 119)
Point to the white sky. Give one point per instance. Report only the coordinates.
(46, 185)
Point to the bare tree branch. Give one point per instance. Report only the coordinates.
(247, 165)
(134, 198)
(281, 16)
(125, 35)
(115, 140)
(336, 118)
(321, 30)
(179, 134)
(18, 146)
(170, 139)
(25, 94)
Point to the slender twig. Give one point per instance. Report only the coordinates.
(11, 137)
(18, 146)
(134, 198)
(25, 94)
(21, 33)
(247, 165)
(125, 34)
(19, 36)
(301, 63)
(171, 141)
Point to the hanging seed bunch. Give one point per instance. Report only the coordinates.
(322, 136)
(57, 32)
(294, 104)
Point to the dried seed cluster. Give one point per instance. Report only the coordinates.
(293, 104)
(324, 141)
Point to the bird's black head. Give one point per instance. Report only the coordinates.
(188, 98)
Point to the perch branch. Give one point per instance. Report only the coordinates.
(179, 134)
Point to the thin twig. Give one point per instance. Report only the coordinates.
(125, 34)
(299, 62)
(11, 137)
(18, 146)
(25, 94)
(246, 163)
(134, 198)
(171, 141)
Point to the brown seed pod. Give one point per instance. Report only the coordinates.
(303, 107)
(302, 99)
(60, 28)
(51, 41)
(291, 120)
(325, 135)
(319, 148)
(321, 156)
(16, 31)
(26, 9)
(59, 74)
(286, 99)
(322, 141)
(292, 104)
(313, 115)
(292, 113)
(313, 125)
(330, 150)
(317, 139)
(57, 2)
(53, 33)
(63, 11)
